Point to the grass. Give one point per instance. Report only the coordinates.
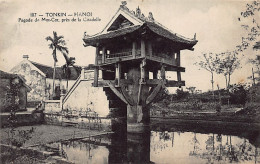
(47, 133)
(18, 158)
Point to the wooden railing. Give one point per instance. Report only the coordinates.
(164, 58)
(159, 57)
(119, 54)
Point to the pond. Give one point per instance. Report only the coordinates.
(162, 146)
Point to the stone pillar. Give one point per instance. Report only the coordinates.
(137, 119)
(137, 113)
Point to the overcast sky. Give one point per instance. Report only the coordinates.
(215, 23)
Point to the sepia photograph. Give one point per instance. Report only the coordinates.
(130, 81)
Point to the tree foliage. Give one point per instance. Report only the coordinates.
(249, 19)
(57, 43)
(227, 63)
(181, 94)
(238, 94)
(70, 62)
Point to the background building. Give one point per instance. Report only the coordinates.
(7, 98)
(40, 78)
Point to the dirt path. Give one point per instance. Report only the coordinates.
(48, 133)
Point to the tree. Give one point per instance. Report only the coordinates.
(249, 19)
(57, 43)
(209, 62)
(255, 69)
(228, 62)
(70, 61)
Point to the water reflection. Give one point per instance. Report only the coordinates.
(159, 147)
(189, 147)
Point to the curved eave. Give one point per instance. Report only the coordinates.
(175, 38)
(93, 40)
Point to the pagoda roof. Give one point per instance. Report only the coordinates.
(139, 23)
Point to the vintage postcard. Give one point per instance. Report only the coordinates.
(138, 81)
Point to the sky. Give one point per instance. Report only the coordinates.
(215, 23)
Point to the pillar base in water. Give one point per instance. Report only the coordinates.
(137, 128)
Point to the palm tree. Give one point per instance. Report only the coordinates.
(70, 61)
(57, 43)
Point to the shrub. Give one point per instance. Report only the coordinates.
(238, 94)
(181, 94)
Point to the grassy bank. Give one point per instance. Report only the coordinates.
(46, 133)
(207, 111)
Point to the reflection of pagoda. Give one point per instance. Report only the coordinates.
(133, 52)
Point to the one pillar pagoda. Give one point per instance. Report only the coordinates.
(134, 52)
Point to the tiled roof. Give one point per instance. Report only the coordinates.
(167, 34)
(48, 71)
(152, 25)
(112, 34)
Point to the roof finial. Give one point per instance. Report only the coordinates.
(150, 17)
(26, 57)
(123, 4)
(138, 12)
(194, 37)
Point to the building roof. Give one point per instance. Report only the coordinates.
(5, 75)
(92, 40)
(146, 24)
(48, 71)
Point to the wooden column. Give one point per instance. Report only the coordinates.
(178, 58)
(150, 51)
(103, 54)
(118, 73)
(155, 74)
(96, 68)
(142, 48)
(134, 50)
(173, 57)
(179, 76)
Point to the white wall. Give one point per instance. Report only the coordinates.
(84, 94)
